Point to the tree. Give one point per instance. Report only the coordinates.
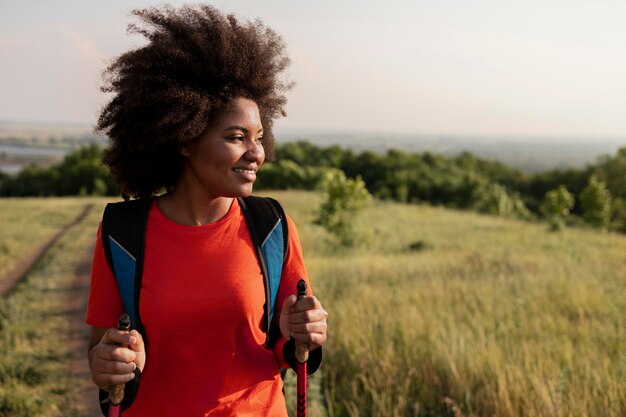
(81, 172)
(345, 198)
(31, 181)
(595, 202)
(556, 206)
(612, 171)
(618, 217)
(286, 174)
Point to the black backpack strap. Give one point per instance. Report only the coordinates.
(268, 228)
(123, 239)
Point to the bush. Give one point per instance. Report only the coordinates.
(618, 215)
(556, 206)
(595, 202)
(345, 198)
(493, 199)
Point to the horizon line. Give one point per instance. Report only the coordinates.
(369, 132)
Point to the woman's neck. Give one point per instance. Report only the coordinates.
(193, 209)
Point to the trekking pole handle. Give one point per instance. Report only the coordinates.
(116, 392)
(302, 350)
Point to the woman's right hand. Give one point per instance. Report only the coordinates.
(115, 357)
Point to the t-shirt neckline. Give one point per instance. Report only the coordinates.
(165, 221)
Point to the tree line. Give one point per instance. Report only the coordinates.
(80, 173)
(595, 195)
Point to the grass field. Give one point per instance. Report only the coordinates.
(488, 317)
(34, 354)
(25, 223)
(493, 318)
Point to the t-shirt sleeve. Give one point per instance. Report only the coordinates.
(293, 271)
(105, 305)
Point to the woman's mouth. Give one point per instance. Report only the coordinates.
(248, 174)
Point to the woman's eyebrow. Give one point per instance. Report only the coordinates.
(243, 129)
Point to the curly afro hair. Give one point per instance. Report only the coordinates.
(168, 92)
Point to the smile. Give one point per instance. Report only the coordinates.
(247, 175)
(244, 171)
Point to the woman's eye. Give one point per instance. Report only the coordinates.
(234, 138)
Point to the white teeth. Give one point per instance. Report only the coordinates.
(247, 171)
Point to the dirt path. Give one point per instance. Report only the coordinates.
(14, 276)
(77, 295)
(74, 297)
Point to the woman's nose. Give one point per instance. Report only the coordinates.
(255, 152)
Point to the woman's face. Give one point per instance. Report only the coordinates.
(224, 161)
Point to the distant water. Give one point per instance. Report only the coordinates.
(33, 150)
(14, 154)
(10, 168)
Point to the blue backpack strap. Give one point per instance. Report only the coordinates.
(268, 228)
(123, 238)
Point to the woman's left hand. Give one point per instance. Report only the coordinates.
(304, 320)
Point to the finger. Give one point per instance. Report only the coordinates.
(312, 340)
(104, 380)
(317, 327)
(288, 304)
(135, 341)
(115, 367)
(114, 353)
(137, 346)
(116, 337)
(308, 316)
(306, 303)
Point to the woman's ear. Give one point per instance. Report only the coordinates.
(184, 150)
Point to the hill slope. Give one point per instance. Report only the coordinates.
(495, 317)
(490, 317)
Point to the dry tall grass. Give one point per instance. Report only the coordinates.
(485, 317)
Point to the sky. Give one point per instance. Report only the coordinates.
(545, 68)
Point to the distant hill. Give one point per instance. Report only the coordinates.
(46, 134)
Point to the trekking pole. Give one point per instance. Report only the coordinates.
(302, 355)
(116, 392)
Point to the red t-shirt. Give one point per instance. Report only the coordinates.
(201, 303)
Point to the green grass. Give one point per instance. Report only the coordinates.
(27, 222)
(34, 356)
(487, 317)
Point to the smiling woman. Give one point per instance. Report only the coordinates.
(192, 115)
(221, 163)
(169, 92)
(224, 161)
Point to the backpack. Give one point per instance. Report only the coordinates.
(123, 237)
